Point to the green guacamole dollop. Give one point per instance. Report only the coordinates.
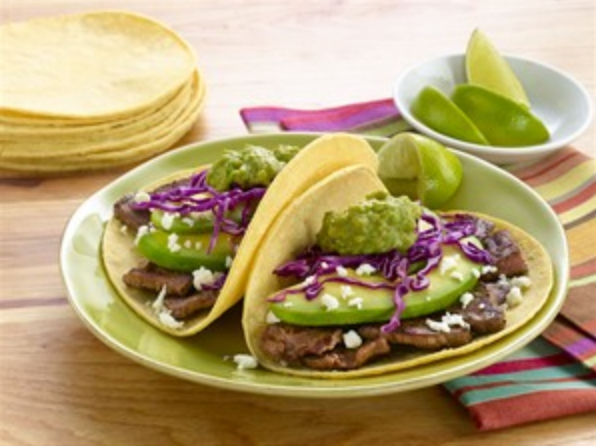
(378, 224)
(250, 167)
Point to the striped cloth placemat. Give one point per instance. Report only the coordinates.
(555, 375)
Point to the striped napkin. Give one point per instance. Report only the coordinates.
(555, 375)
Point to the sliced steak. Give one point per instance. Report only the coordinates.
(132, 218)
(183, 307)
(507, 255)
(494, 292)
(290, 343)
(153, 278)
(348, 359)
(484, 316)
(415, 333)
(483, 228)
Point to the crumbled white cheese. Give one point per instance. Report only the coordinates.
(187, 243)
(341, 271)
(365, 270)
(449, 263)
(447, 321)
(244, 361)
(188, 222)
(324, 265)
(272, 318)
(288, 304)
(142, 231)
(521, 282)
(352, 339)
(488, 269)
(346, 291)
(173, 244)
(309, 280)
(167, 220)
(465, 299)
(198, 246)
(124, 229)
(157, 304)
(203, 276)
(356, 302)
(514, 297)
(329, 302)
(476, 273)
(165, 318)
(229, 261)
(142, 197)
(457, 275)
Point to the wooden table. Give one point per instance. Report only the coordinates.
(59, 385)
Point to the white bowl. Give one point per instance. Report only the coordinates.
(558, 100)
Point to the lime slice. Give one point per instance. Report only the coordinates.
(486, 67)
(437, 111)
(417, 166)
(502, 121)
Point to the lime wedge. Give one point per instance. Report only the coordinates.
(436, 110)
(417, 166)
(502, 121)
(487, 68)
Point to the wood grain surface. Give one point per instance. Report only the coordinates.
(59, 385)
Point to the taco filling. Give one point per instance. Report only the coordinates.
(188, 231)
(386, 279)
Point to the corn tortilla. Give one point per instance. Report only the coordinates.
(119, 64)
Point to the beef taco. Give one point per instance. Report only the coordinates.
(179, 251)
(351, 281)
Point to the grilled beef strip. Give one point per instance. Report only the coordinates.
(132, 218)
(416, 333)
(349, 359)
(183, 307)
(290, 343)
(506, 254)
(151, 277)
(182, 299)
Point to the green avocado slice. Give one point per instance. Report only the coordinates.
(189, 253)
(357, 304)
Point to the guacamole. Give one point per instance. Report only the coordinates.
(249, 167)
(378, 224)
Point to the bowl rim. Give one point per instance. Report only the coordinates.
(548, 146)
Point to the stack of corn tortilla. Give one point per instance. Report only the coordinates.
(93, 91)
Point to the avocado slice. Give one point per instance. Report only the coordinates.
(377, 305)
(191, 253)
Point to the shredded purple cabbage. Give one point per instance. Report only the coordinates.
(314, 266)
(182, 200)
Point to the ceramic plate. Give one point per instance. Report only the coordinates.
(205, 358)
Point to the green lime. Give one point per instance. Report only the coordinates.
(417, 166)
(502, 121)
(487, 68)
(437, 111)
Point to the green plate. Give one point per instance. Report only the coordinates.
(205, 358)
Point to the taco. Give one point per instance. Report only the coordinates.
(179, 251)
(351, 281)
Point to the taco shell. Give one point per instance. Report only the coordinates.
(314, 162)
(295, 230)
